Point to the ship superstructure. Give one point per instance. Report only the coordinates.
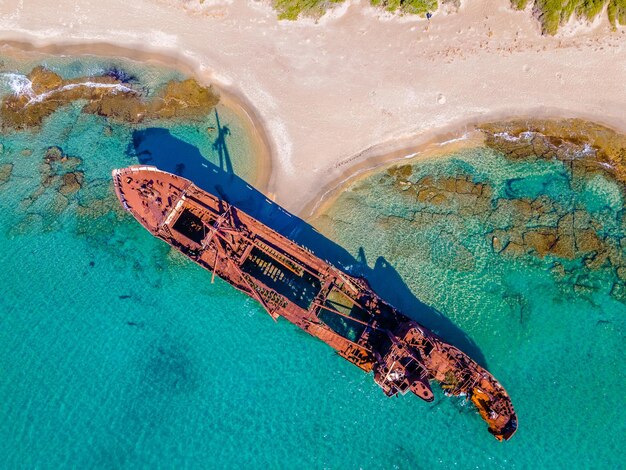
(291, 282)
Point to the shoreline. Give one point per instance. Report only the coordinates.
(423, 80)
(451, 139)
(434, 147)
(228, 97)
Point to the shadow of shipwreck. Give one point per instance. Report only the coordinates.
(158, 147)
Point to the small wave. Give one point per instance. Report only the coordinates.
(511, 138)
(607, 166)
(115, 86)
(571, 152)
(456, 139)
(21, 85)
(588, 150)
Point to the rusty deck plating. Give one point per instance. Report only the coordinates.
(291, 282)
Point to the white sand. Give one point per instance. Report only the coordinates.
(358, 84)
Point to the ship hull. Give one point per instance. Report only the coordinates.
(291, 282)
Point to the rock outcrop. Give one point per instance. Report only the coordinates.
(5, 172)
(588, 147)
(562, 235)
(105, 96)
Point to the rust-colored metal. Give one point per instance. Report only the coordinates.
(291, 282)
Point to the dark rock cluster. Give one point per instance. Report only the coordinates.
(444, 195)
(587, 146)
(120, 74)
(5, 172)
(59, 173)
(570, 241)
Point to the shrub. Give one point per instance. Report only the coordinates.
(553, 13)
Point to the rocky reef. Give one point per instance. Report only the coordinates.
(64, 195)
(104, 95)
(5, 172)
(562, 235)
(588, 147)
(60, 178)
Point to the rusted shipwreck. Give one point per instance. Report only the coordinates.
(291, 282)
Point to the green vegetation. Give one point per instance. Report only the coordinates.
(519, 4)
(617, 12)
(413, 7)
(292, 9)
(553, 13)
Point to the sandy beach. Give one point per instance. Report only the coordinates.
(356, 87)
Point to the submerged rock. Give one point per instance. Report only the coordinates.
(71, 182)
(539, 241)
(53, 154)
(30, 223)
(561, 232)
(120, 75)
(402, 172)
(442, 194)
(58, 173)
(56, 161)
(59, 204)
(564, 246)
(5, 172)
(618, 290)
(186, 99)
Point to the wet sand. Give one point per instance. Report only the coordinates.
(444, 144)
(334, 97)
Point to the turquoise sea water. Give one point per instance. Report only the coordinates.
(551, 330)
(116, 352)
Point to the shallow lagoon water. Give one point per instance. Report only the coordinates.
(117, 352)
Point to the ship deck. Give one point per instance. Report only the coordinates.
(290, 282)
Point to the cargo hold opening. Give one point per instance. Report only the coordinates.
(299, 289)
